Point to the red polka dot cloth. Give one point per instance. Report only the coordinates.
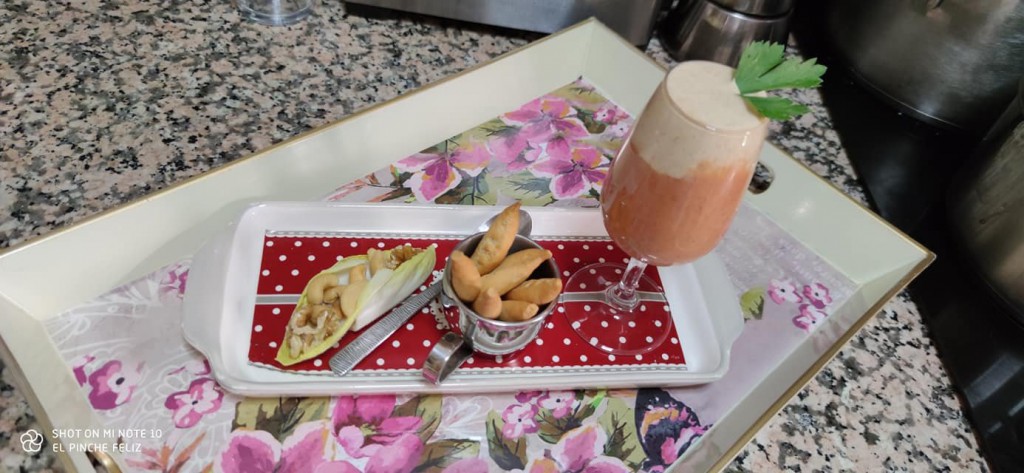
(290, 260)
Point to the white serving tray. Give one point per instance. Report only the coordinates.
(133, 240)
(219, 303)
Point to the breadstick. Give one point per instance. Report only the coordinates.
(517, 311)
(499, 238)
(514, 270)
(537, 291)
(488, 304)
(465, 278)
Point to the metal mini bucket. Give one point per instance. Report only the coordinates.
(494, 337)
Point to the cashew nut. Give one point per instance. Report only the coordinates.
(333, 294)
(320, 283)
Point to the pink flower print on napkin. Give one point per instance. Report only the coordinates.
(199, 367)
(809, 317)
(527, 396)
(435, 174)
(519, 420)
(818, 295)
(783, 291)
(203, 397)
(618, 130)
(671, 448)
(575, 173)
(539, 116)
(579, 450)
(558, 402)
(549, 120)
(78, 368)
(113, 384)
(364, 427)
(514, 150)
(257, 451)
(565, 137)
(609, 114)
(172, 285)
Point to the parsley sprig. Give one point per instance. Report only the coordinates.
(762, 68)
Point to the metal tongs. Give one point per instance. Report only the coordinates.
(446, 355)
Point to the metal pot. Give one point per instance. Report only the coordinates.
(949, 62)
(632, 19)
(720, 30)
(987, 205)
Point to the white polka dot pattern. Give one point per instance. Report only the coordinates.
(289, 263)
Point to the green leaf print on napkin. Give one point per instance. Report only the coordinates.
(752, 303)
(508, 454)
(593, 126)
(552, 427)
(397, 194)
(482, 189)
(427, 409)
(623, 443)
(441, 454)
(279, 416)
(523, 186)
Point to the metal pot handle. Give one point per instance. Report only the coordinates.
(924, 6)
(448, 354)
(103, 462)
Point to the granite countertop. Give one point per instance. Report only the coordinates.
(103, 102)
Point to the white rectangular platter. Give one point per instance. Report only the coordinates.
(219, 304)
(124, 244)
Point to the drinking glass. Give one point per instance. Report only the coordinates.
(670, 195)
(275, 12)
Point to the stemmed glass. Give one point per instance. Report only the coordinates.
(670, 195)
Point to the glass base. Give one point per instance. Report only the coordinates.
(608, 326)
(275, 12)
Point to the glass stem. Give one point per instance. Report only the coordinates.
(623, 295)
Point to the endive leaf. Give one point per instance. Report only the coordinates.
(387, 288)
(285, 358)
(341, 270)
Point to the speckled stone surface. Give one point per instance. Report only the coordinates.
(102, 102)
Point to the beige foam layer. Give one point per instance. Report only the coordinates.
(697, 115)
